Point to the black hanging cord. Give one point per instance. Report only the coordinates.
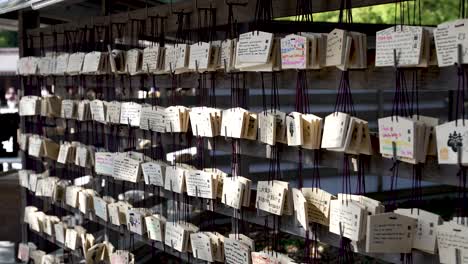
(302, 106)
(304, 11)
(263, 14)
(206, 23)
(232, 28)
(344, 103)
(462, 7)
(346, 14)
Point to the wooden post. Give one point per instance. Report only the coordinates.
(26, 20)
(105, 7)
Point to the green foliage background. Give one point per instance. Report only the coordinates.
(8, 39)
(433, 12)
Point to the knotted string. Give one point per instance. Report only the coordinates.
(304, 11)
(416, 189)
(302, 106)
(121, 29)
(312, 257)
(101, 40)
(344, 103)
(206, 23)
(232, 28)
(160, 32)
(402, 106)
(157, 26)
(460, 114)
(263, 14)
(84, 40)
(361, 177)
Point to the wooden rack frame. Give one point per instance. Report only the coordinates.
(433, 79)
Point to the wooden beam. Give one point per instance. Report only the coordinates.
(281, 8)
(68, 13)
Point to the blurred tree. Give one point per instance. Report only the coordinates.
(8, 39)
(433, 12)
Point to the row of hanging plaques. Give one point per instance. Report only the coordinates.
(407, 139)
(401, 46)
(182, 236)
(41, 147)
(310, 205)
(355, 217)
(252, 51)
(269, 127)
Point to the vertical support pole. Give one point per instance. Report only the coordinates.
(105, 7)
(26, 20)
